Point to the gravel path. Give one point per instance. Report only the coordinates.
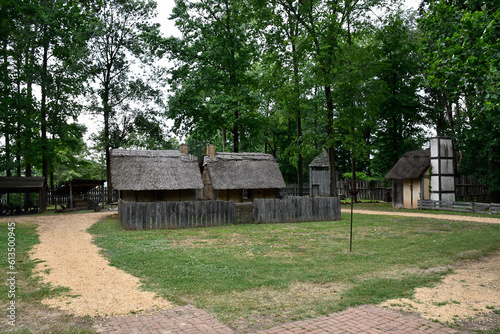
(431, 215)
(70, 259)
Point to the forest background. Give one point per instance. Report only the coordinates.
(363, 80)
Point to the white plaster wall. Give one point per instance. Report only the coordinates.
(446, 166)
(447, 183)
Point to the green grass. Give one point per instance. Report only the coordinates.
(31, 315)
(254, 276)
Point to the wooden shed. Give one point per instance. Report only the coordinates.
(410, 179)
(150, 176)
(319, 175)
(23, 185)
(240, 177)
(74, 193)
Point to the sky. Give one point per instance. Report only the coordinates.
(164, 8)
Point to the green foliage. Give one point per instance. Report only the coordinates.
(400, 116)
(213, 82)
(461, 52)
(42, 50)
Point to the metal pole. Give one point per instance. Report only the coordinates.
(350, 237)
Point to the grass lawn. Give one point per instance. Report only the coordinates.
(255, 276)
(31, 315)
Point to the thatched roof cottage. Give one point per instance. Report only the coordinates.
(410, 179)
(146, 176)
(240, 177)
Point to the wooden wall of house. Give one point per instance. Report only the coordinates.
(319, 181)
(397, 193)
(159, 195)
(415, 190)
(236, 195)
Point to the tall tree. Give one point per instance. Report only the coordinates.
(212, 82)
(461, 47)
(42, 49)
(400, 116)
(327, 24)
(126, 41)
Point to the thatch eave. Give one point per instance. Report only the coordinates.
(410, 166)
(140, 170)
(244, 171)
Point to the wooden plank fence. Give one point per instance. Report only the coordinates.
(367, 190)
(95, 195)
(173, 215)
(491, 208)
(296, 209)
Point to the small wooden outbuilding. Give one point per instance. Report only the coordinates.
(75, 191)
(410, 179)
(240, 177)
(150, 176)
(319, 175)
(23, 185)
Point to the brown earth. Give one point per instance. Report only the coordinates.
(69, 258)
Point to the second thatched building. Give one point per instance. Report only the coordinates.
(151, 176)
(240, 177)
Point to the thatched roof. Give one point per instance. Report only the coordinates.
(244, 171)
(411, 165)
(321, 161)
(21, 184)
(154, 170)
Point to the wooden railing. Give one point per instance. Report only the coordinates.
(491, 208)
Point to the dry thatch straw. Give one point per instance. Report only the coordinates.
(244, 171)
(410, 166)
(154, 170)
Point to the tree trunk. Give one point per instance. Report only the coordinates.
(298, 113)
(107, 148)
(331, 151)
(43, 116)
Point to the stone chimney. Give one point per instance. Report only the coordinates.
(210, 151)
(184, 149)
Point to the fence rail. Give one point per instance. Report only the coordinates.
(173, 215)
(94, 195)
(491, 208)
(367, 190)
(296, 209)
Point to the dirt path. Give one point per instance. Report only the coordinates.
(431, 215)
(70, 259)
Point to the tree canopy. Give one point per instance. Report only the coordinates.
(363, 80)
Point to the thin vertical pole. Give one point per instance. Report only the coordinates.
(350, 236)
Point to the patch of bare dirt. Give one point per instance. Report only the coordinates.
(469, 297)
(70, 259)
